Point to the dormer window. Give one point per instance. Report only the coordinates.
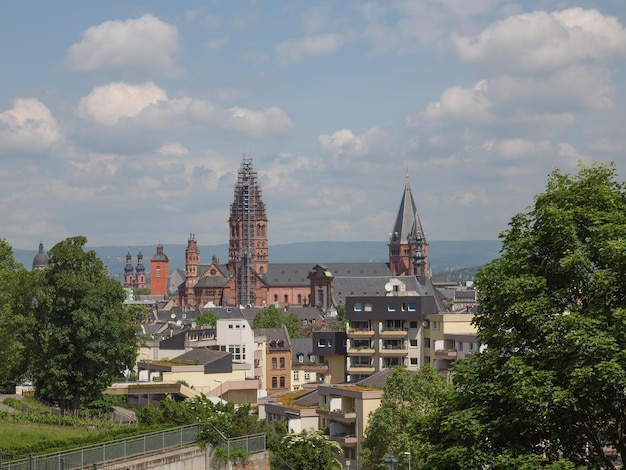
(300, 357)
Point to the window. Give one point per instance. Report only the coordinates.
(311, 357)
(286, 299)
(413, 343)
(274, 382)
(299, 298)
(413, 361)
(230, 326)
(412, 306)
(300, 357)
(274, 361)
(238, 352)
(358, 307)
(282, 381)
(282, 362)
(158, 271)
(307, 376)
(368, 307)
(427, 342)
(275, 297)
(392, 307)
(296, 375)
(413, 324)
(321, 343)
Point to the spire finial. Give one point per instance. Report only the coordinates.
(407, 171)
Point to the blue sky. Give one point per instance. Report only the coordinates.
(126, 121)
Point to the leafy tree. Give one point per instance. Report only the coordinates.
(84, 336)
(552, 381)
(208, 317)
(273, 317)
(409, 399)
(309, 450)
(16, 298)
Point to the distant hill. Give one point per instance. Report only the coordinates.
(444, 256)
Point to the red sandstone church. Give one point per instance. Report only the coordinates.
(249, 279)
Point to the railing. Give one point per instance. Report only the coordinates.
(95, 455)
(107, 451)
(250, 444)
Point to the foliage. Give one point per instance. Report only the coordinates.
(231, 421)
(273, 317)
(401, 422)
(141, 291)
(552, 381)
(309, 450)
(85, 336)
(16, 323)
(208, 317)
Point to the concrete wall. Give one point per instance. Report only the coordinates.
(190, 457)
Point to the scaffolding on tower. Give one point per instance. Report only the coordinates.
(247, 208)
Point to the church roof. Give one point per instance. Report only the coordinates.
(408, 227)
(41, 259)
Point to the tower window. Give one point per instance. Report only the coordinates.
(157, 272)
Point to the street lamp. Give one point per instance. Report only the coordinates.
(220, 382)
(409, 454)
(391, 462)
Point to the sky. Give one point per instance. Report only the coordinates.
(126, 121)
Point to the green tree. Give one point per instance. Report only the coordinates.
(84, 336)
(552, 381)
(273, 317)
(409, 400)
(208, 317)
(309, 450)
(16, 298)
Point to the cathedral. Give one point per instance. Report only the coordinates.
(249, 279)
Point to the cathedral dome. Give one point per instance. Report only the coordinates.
(41, 260)
(159, 255)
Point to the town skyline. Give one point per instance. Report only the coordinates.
(127, 122)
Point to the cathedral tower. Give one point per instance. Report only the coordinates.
(408, 249)
(248, 246)
(192, 263)
(159, 272)
(140, 281)
(129, 276)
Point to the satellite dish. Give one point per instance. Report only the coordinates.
(179, 322)
(172, 316)
(388, 287)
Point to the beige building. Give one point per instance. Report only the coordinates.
(444, 335)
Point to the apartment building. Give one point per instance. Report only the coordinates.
(448, 337)
(387, 331)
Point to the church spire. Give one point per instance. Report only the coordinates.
(407, 241)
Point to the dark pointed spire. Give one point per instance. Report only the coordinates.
(408, 226)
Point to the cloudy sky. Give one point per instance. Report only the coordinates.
(126, 121)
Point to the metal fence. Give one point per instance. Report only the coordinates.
(108, 451)
(250, 444)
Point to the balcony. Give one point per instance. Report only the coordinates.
(360, 333)
(391, 333)
(446, 354)
(320, 368)
(342, 416)
(361, 370)
(348, 440)
(361, 351)
(395, 352)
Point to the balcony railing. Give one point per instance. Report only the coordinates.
(359, 351)
(446, 354)
(360, 333)
(393, 333)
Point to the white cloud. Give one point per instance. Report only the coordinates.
(109, 103)
(295, 50)
(268, 121)
(172, 149)
(343, 142)
(545, 41)
(29, 126)
(143, 44)
(472, 104)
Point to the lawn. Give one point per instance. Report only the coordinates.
(16, 436)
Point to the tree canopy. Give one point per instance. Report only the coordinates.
(16, 298)
(552, 380)
(273, 317)
(400, 422)
(84, 336)
(309, 450)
